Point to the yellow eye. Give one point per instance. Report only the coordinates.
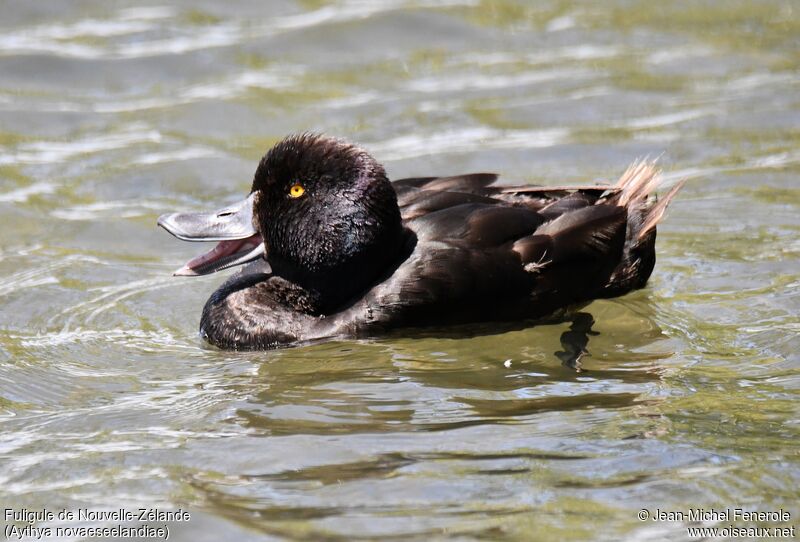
(296, 190)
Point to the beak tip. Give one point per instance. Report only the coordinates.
(162, 220)
(185, 271)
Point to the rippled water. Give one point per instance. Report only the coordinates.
(110, 116)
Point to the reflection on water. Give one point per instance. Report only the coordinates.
(683, 395)
(430, 384)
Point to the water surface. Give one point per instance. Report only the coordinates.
(112, 115)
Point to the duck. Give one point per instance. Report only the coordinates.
(332, 248)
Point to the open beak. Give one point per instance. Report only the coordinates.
(232, 226)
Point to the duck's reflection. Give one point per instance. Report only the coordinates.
(575, 340)
(427, 383)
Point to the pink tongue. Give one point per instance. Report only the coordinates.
(223, 248)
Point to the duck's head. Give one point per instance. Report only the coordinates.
(320, 209)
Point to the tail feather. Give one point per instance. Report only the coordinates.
(639, 180)
(656, 212)
(636, 193)
(637, 184)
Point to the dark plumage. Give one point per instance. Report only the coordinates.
(356, 255)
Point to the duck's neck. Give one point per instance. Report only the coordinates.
(335, 286)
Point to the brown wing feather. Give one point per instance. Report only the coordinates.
(590, 233)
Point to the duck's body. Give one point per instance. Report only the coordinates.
(365, 256)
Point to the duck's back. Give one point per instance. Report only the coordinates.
(483, 252)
